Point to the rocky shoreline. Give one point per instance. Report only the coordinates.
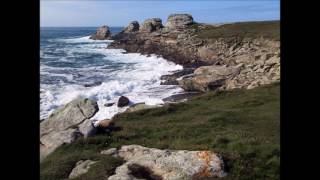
(210, 64)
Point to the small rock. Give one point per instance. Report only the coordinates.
(111, 151)
(104, 123)
(82, 167)
(123, 101)
(109, 104)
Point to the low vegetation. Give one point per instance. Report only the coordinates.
(265, 29)
(242, 125)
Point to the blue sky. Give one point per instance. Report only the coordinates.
(67, 13)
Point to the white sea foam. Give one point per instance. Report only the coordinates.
(138, 78)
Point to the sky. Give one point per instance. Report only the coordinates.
(93, 13)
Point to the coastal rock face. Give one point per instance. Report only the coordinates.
(208, 78)
(207, 53)
(66, 124)
(152, 163)
(132, 27)
(151, 25)
(101, 34)
(82, 167)
(179, 21)
(123, 101)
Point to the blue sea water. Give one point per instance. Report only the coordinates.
(72, 65)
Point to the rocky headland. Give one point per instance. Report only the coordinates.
(222, 57)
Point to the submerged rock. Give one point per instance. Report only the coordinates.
(102, 33)
(152, 163)
(82, 167)
(123, 101)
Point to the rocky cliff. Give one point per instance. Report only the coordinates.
(250, 50)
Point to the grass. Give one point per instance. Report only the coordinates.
(241, 125)
(265, 29)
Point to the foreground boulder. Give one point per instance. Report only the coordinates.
(151, 25)
(132, 27)
(151, 163)
(179, 21)
(101, 34)
(123, 101)
(71, 115)
(66, 124)
(82, 167)
(208, 78)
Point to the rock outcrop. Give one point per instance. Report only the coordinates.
(132, 27)
(82, 167)
(152, 163)
(151, 25)
(102, 33)
(179, 21)
(66, 124)
(208, 78)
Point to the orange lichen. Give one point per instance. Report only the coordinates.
(205, 172)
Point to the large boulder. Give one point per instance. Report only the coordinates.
(132, 27)
(208, 78)
(178, 21)
(66, 124)
(69, 116)
(102, 33)
(151, 25)
(81, 167)
(152, 163)
(51, 141)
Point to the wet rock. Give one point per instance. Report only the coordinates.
(123, 101)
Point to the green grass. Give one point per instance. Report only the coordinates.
(265, 29)
(242, 125)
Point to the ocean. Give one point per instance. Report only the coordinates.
(72, 65)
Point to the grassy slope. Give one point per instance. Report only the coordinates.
(242, 125)
(266, 29)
